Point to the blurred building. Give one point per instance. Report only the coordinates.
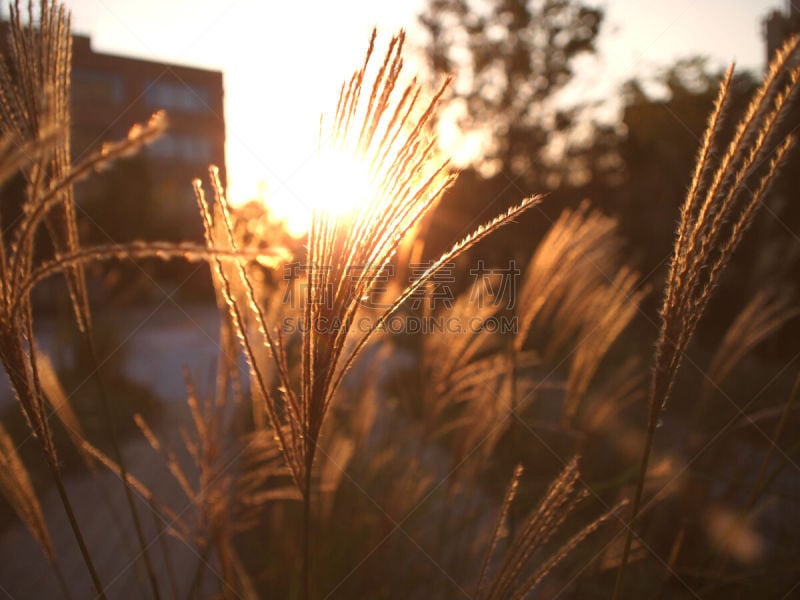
(148, 196)
(111, 93)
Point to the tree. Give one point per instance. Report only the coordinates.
(508, 58)
(663, 134)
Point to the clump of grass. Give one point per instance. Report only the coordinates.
(722, 200)
(34, 117)
(297, 447)
(516, 577)
(765, 314)
(34, 103)
(383, 125)
(34, 143)
(234, 477)
(577, 258)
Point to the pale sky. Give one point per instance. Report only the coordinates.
(283, 62)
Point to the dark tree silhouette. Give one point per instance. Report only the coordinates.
(663, 134)
(508, 58)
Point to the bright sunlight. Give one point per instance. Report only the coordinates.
(333, 180)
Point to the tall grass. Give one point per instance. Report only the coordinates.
(327, 456)
(383, 125)
(723, 198)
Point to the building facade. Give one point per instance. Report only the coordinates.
(111, 93)
(148, 196)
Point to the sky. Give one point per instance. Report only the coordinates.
(283, 62)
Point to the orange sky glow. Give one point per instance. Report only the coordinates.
(283, 62)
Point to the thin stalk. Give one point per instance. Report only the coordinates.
(306, 574)
(652, 423)
(103, 491)
(50, 457)
(76, 530)
(760, 481)
(444, 525)
(513, 516)
(110, 414)
(227, 577)
(200, 570)
(672, 560)
(162, 541)
(62, 583)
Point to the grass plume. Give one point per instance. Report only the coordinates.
(383, 126)
(721, 203)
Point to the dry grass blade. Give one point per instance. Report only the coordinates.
(458, 364)
(52, 196)
(762, 481)
(444, 355)
(176, 525)
(34, 117)
(34, 99)
(610, 312)
(217, 224)
(763, 316)
(560, 500)
(16, 486)
(573, 260)
(560, 554)
(59, 400)
(721, 204)
(499, 524)
(456, 250)
(227, 482)
(170, 459)
(19, 275)
(262, 475)
(138, 250)
(34, 96)
(622, 388)
(16, 156)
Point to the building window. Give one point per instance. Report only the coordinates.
(177, 96)
(90, 86)
(182, 147)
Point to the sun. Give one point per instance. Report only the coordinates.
(334, 180)
(365, 157)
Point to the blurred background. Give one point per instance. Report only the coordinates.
(575, 99)
(598, 100)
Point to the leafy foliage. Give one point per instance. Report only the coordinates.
(509, 58)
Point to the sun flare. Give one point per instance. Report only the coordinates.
(375, 158)
(335, 181)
